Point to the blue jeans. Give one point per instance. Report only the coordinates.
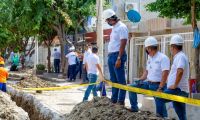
(117, 75)
(92, 78)
(180, 108)
(3, 87)
(160, 107)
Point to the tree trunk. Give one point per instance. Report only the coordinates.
(49, 59)
(76, 36)
(196, 60)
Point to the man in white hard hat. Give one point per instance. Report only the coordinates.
(116, 54)
(177, 82)
(154, 77)
(72, 61)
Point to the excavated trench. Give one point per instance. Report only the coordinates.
(9, 110)
(35, 109)
(27, 101)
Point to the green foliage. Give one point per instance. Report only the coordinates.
(174, 9)
(40, 67)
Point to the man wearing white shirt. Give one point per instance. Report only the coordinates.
(177, 82)
(93, 68)
(117, 55)
(154, 77)
(87, 52)
(72, 58)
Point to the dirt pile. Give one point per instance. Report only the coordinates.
(30, 81)
(33, 81)
(103, 109)
(9, 110)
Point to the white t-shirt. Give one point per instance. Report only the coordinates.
(71, 58)
(156, 65)
(180, 61)
(119, 32)
(86, 54)
(92, 61)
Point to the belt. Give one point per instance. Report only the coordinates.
(153, 82)
(113, 53)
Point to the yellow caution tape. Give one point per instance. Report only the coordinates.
(156, 94)
(131, 89)
(59, 88)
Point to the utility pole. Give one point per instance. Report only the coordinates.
(100, 40)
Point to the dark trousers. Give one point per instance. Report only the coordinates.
(180, 108)
(80, 67)
(57, 65)
(72, 72)
(85, 77)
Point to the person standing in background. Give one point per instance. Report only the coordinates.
(57, 56)
(87, 52)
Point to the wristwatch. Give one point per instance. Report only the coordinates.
(118, 57)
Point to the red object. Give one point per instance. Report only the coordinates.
(91, 37)
(191, 83)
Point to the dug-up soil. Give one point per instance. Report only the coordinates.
(30, 81)
(103, 109)
(9, 110)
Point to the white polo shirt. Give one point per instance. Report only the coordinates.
(180, 60)
(86, 54)
(156, 65)
(92, 61)
(119, 32)
(71, 58)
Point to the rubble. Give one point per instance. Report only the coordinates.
(30, 81)
(9, 110)
(103, 109)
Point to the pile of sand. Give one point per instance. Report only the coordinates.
(103, 109)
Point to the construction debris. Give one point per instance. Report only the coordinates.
(103, 109)
(30, 81)
(9, 110)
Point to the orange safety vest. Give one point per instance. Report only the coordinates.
(3, 75)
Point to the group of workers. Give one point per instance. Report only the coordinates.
(158, 75)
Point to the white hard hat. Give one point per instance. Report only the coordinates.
(108, 13)
(176, 40)
(72, 48)
(150, 41)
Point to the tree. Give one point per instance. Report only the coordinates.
(46, 36)
(78, 11)
(186, 9)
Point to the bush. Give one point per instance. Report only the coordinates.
(40, 67)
